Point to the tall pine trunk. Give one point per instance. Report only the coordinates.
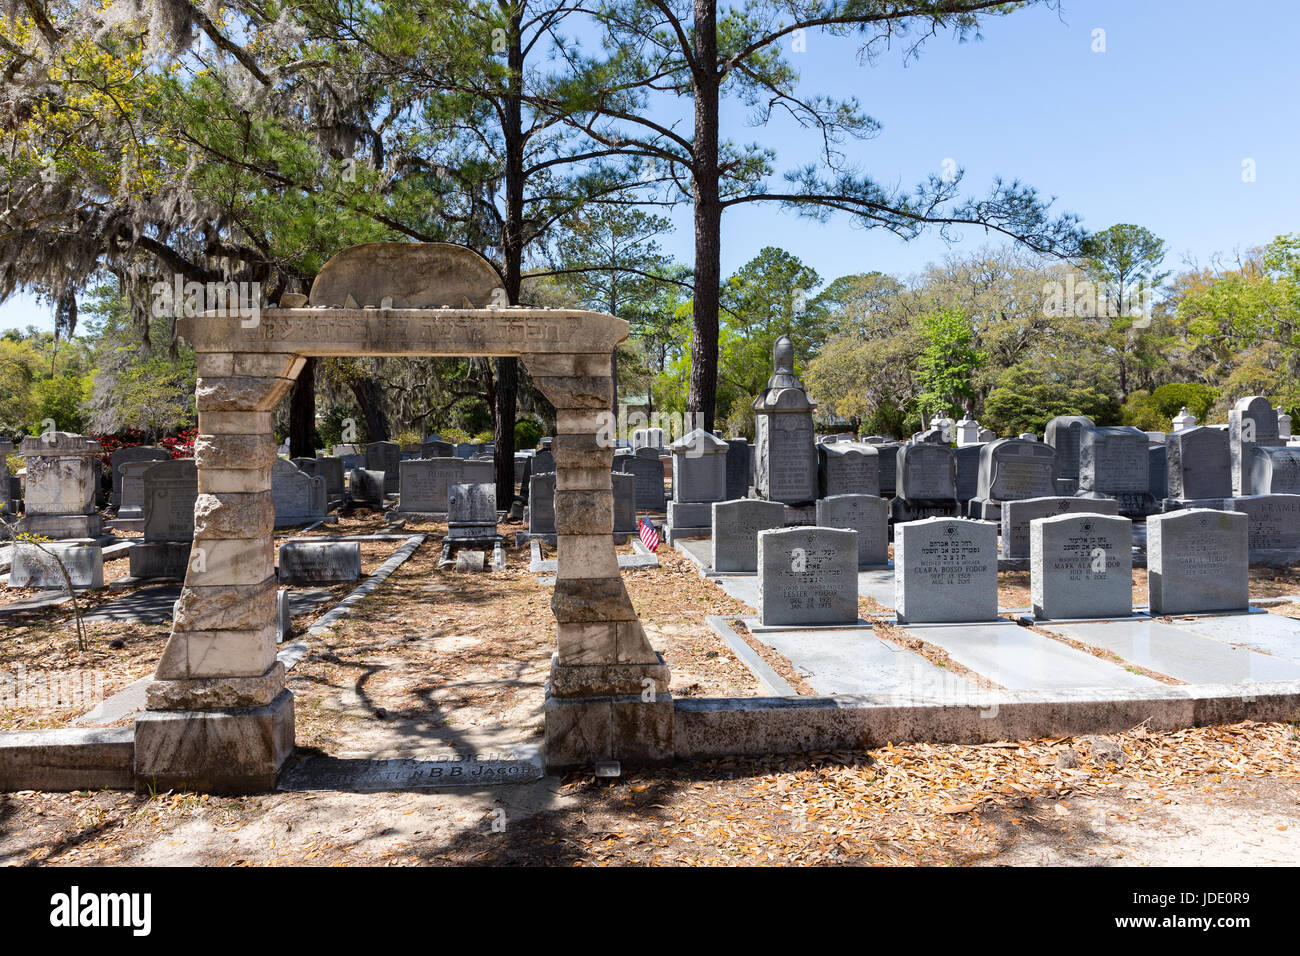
(703, 394)
(302, 413)
(507, 369)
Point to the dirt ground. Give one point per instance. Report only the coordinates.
(439, 660)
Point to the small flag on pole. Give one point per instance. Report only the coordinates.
(649, 536)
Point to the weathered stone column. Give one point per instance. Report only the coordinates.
(607, 698)
(219, 718)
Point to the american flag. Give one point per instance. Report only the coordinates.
(649, 536)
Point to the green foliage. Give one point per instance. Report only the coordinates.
(1155, 411)
(59, 400)
(455, 435)
(1030, 394)
(948, 362)
(528, 432)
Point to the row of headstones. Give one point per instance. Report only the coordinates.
(945, 569)
(300, 562)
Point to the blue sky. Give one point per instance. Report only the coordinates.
(1152, 131)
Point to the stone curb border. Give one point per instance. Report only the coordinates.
(769, 679)
(706, 728)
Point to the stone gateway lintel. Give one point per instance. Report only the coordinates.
(446, 332)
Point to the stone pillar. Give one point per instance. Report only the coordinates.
(607, 697)
(219, 718)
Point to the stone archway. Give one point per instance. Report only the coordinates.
(219, 717)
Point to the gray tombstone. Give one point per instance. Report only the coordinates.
(847, 468)
(1013, 469)
(926, 472)
(299, 498)
(478, 469)
(472, 511)
(1273, 528)
(465, 449)
(1065, 434)
(926, 482)
(623, 488)
(699, 479)
(736, 525)
(1158, 466)
(385, 456)
(1252, 423)
(319, 562)
(1081, 566)
(1016, 516)
(543, 461)
(131, 491)
(648, 472)
(331, 469)
(740, 463)
(541, 507)
(38, 567)
(945, 570)
(122, 456)
(868, 515)
(1113, 464)
(59, 499)
(967, 458)
(1198, 561)
(525, 476)
(437, 448)
(171, 489)
(424, 482)
(1198, 464)
(785, 458)
(807, 577)
(367, 487)
(887, 459)
(1275, 470)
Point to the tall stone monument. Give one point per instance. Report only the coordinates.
(785, 463)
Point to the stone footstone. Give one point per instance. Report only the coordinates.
(38, 567)
(319, 562)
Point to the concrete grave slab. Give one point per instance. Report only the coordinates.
(1269, 633)
(858, 662)
(1020, 659)
(1179, 652)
